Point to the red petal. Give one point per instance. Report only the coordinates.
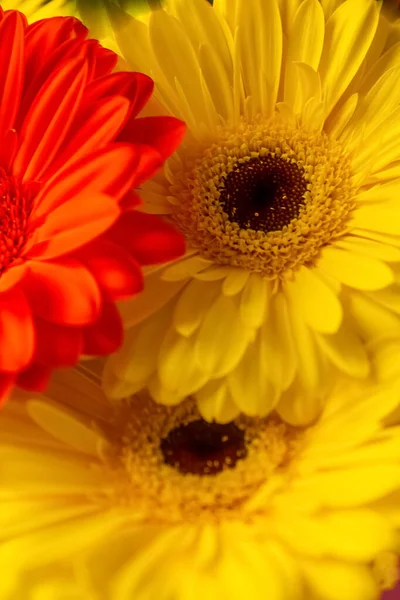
(35, 378)
(115, 271)
(150, 239)
(49, 118)
(8, 148)
(57, 346)
(163, 133)
(93, 128)
(112, 170)
(130, 201)
(62, 292)
(137, 87)
(105, 63)
(43, 43)
(105, 336)
(17, 334)
(7, 382)
(92, 47)
(11, 277)
(12, 29)
(73, 225)
(148, 161)
(36, 73)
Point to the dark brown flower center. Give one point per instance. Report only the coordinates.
(203, 448)
(264, 193)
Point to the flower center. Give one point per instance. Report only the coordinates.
(174, 467)
(266, 196)
(203, 448)
(15, 209)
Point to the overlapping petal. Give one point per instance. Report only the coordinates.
(250, 79)
(70, 160)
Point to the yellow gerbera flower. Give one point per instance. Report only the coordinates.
(135, 500)
(286, 188)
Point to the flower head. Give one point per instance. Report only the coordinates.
(138, 500)
(71, 152)
(286, 189)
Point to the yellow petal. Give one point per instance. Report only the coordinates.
(252, 391)
(313, 114)
(390, 506)
(216, 403)
(389, 298)
(385, 354)
(254, 300)
(259, 37)
(204, 27)
(222, 338)
(330, 580)
(117, 388)
(386, 60)
(307, 34)
(350, 487)
(22, 516)
(378, 104)
(350, 535)
(387, 163)
(163, 395)
(155, 295)
(217, 78)
(175, 352)
(356, 420)
(137, 358)
(193, 304)
(154, 204)
(341, 116)
(235, 281)
(346, 351)
(277, 345)
(226, 10)
(179, 63)
(382, 452)
(185, 268)
(22, 470)
(308, 366)
(288, 10)
(319, 306)
(355, 270)
(382, 219)
(373, 321)
(382, 143)
(385, 252)
(63, 540)
(304, 46)
(213, 273)
(64, 427)
(299, 406)
(18, 428)
(383, 238)
(348, 35)
(386, 192)
(303, 84)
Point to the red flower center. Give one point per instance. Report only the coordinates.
(15, 209)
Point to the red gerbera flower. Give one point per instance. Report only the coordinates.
(71, 152)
